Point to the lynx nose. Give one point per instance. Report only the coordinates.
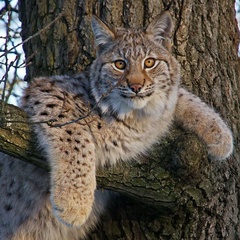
(136, 87)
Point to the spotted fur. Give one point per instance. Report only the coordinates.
(117, 110)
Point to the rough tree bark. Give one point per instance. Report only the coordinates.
(176, 192)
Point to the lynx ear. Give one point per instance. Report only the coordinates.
(160, 29)
(102, 33)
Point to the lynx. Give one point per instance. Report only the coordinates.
(116, 110)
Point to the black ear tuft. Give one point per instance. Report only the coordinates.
(102, 33)
(160, 29)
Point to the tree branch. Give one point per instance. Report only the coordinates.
(154, 179)
(16, 138)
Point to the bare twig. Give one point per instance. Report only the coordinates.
(9, 47)
(97, 104)
(6, 61)
(8, 66)
(51, 121)
(15, 78)
(34, 35)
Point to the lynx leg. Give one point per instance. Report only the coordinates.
(69, 149)
(194, 115)
(72, 177)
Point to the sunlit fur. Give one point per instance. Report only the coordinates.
(134, 46)
(107, 114)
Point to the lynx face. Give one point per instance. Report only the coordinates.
(134, 68)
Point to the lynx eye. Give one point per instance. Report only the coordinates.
(120, 64)
(149, 62)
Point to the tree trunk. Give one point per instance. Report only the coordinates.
(176, 192)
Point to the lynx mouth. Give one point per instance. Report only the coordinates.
(137, 96)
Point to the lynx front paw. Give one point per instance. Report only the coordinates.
(71, 207)
(219, 142)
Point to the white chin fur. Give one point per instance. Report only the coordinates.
(136, 103)
(123, 107)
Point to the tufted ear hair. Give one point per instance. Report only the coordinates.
(103, 34)
(160, 29)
